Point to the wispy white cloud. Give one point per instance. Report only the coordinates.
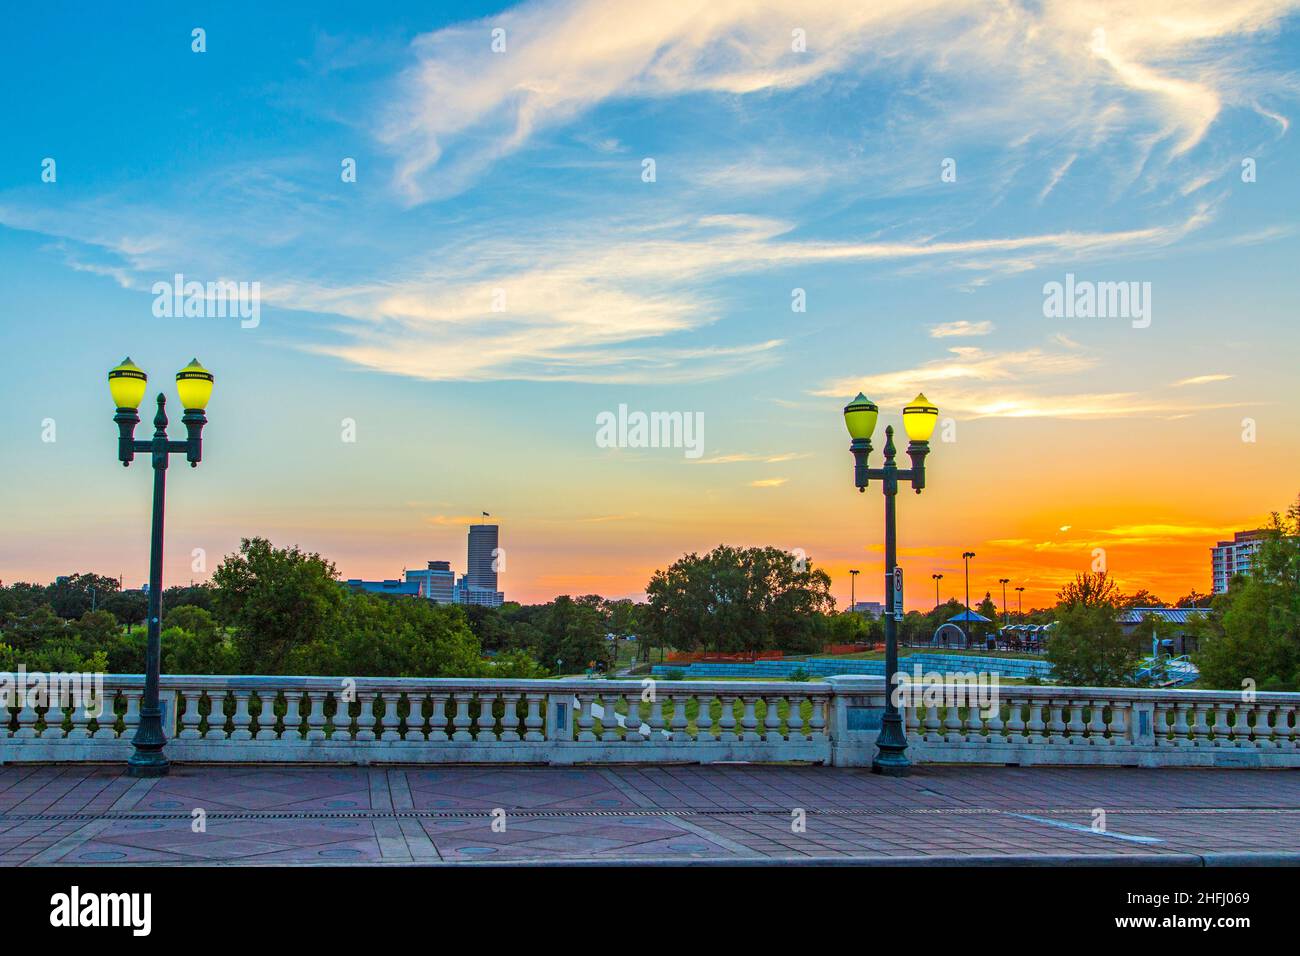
(1203, 379)
(1028, 383)
(461, 107)
(960, 329)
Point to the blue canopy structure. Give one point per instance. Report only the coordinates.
(968, 617)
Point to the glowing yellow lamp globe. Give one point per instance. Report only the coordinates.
(194, 385)
(919, 418)
(860, 417)
(127, 383)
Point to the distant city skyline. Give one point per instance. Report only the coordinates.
(1073, 227)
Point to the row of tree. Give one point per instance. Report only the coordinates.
(281, 610)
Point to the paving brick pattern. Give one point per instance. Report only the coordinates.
(79, 815)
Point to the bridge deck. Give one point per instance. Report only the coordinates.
(77, 814)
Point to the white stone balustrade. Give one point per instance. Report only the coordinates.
(417, 720)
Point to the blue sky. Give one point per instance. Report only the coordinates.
(1114, 155)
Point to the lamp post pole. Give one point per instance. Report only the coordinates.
(919, 418)
(1004, 582)
(966, 556)
(127, 384)
(1020, 608)
(853, 598)
(937, 579)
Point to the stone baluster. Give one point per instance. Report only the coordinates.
(414, 715)
(1035, 726)
(533, 723)
(242, 718)
(993, 723)
(727, 719)
(1015, 722)
(656, 719)
(1201, 728)
(932, 723)
(748, 721)
(1121, 715)
(1160, 723)
(510, 719)
(609, 715)
(1262, 734)
(390, 725)
(1221, 730)
(1076, 728)
(952, 725)
(486, 720)
(794, 717)
(80, 713)
(367, 722)
(679, 724)
(438, 717)
(216, 716)
(28, 715)
(704, 717)
(462, 719)
(131, 716)
(586, 719)
(632, 722)
(911, 724)
(817, 722)
(266, 718)
(1285, 726)
(54, 715)
(1097, 725)
(772, 719)
(316, 720)
(342, 719)
(292, 716)
(1055, 725)
(189, 720)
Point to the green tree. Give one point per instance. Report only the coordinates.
(276, 600)
(75, 594)
(1088, 648)
(739, 599)
(1252, 632)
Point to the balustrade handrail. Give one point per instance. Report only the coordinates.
(580, 684)
(552, 685)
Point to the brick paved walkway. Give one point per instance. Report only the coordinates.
(731, 814)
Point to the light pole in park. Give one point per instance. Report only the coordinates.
(1020, 607)
(1004, 582)
(919, 419)
(853, 597)
(966, 556)
(127, 384)
(937, 579)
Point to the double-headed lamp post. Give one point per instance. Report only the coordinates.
(853, 596)
(937, 579)
(1004, 582)
(1020, 607)
(127, 383)
(919, 419)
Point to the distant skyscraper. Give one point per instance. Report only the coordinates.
(480, 569)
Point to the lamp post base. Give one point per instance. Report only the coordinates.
(146, 764)
(891, 765)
